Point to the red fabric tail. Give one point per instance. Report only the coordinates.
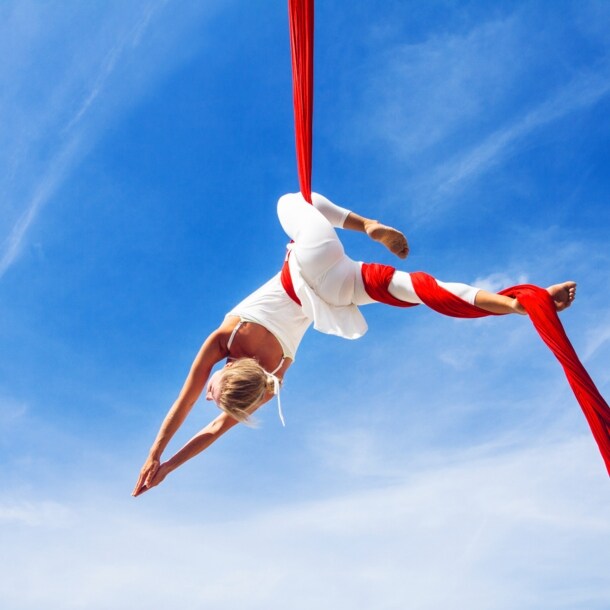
(542, 312)
(301, 44)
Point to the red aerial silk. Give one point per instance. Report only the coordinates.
(300, 14)
(536, 301)
(541, 310)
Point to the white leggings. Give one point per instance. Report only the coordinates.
(324, 265)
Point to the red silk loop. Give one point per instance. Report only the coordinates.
(301, 21)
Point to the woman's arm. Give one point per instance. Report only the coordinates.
(202, 440)
(211, 352)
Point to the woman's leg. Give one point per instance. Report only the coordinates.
(401, 287)
(316, 243)
(334, 213)
(317, 249)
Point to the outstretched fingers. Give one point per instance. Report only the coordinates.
(147, 474)
(140, 486)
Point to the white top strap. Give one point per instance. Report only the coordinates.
(278, 367)
(237, 327)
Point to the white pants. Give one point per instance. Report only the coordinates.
(324, 265)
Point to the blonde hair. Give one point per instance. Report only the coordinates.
(243, 387)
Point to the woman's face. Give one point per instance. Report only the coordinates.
(213, 390)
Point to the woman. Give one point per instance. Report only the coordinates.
(318, 284)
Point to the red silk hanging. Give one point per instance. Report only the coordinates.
(541, 310)
(300, 14)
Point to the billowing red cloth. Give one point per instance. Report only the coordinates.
(541, 310)
(300, 14)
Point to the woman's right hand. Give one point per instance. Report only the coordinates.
(147, 474)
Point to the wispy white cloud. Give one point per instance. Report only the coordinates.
(528, 526)
(44, 189)
(66, 142)
(420, 94)
(499, 280)
(101, 69)
(11, 411)
(45, 514)
(126, 41)
(599, 337)
(583, 92)
(450, 108)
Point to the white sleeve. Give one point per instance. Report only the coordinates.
(335, 214)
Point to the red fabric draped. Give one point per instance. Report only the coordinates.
(541, 310)
(300, 14)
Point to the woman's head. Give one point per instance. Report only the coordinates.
(239, 387)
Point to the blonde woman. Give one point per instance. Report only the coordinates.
(318, 284)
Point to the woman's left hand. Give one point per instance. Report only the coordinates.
(161, 472)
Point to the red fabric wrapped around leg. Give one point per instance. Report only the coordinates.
(541, 310)
(376, 279)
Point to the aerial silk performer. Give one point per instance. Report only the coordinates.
(320, 285)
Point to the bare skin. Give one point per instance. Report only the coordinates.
(563, 295)
(255, 341)
(252, 340)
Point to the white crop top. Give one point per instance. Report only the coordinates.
(271, 307)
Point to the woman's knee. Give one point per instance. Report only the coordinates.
(302, 222)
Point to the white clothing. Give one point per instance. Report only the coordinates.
(232, 337)
(324, 278)
(271, 307)
(327, 282)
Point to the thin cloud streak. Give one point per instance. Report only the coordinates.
(72, 138)
(131, 39)
(60, 166)
(474, 520)
(580, 94)
(599, 337)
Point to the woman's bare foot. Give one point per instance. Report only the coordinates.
(391, 238)
(563, 294)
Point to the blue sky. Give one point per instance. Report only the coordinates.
(435, 462)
